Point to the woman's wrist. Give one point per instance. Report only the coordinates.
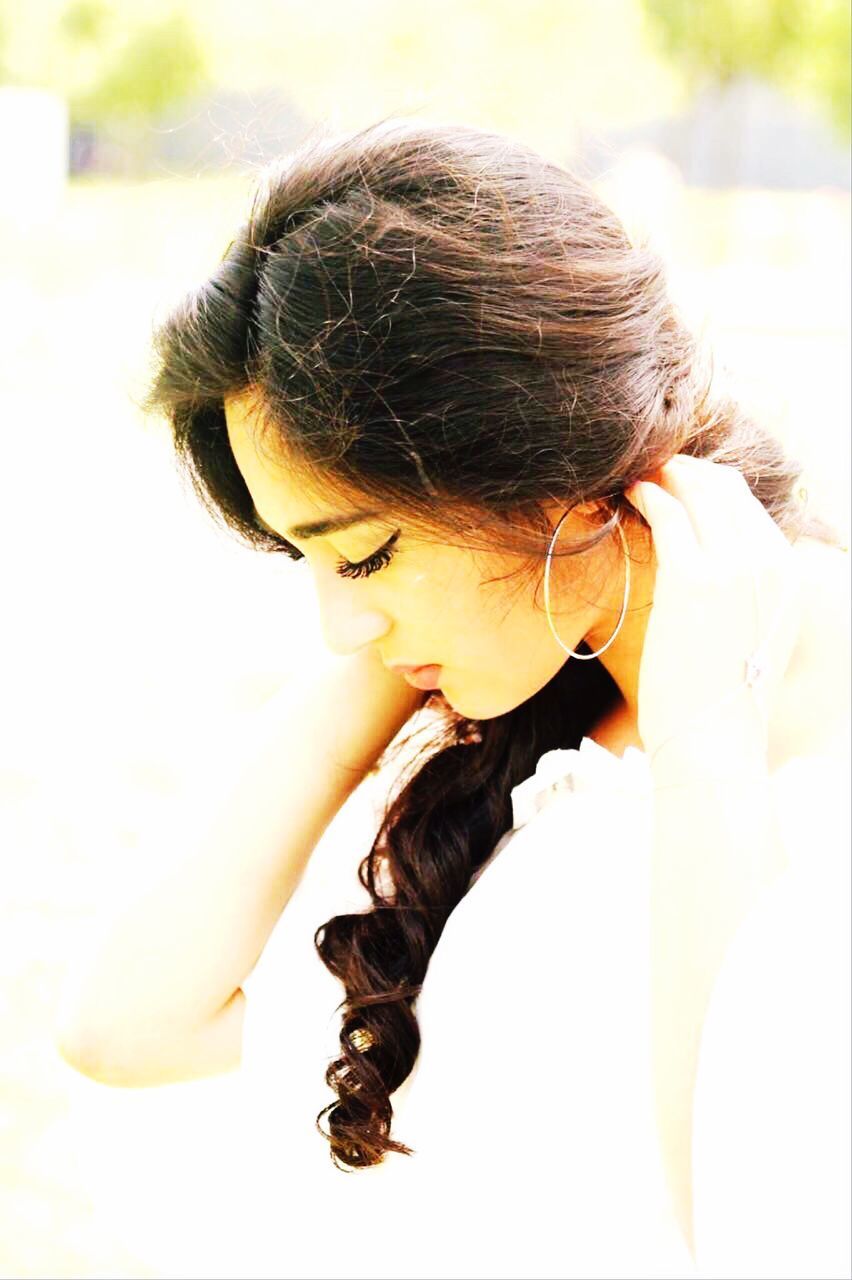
(730, 742)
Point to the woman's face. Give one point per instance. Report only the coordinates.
(431, 603)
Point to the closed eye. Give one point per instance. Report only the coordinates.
(378, 560)
(345, 568)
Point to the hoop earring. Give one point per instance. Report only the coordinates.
(585, 657)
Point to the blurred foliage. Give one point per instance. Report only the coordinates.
(84, 20)
(536, 69)
(160, 65)
(547, 70)
(802, 46)
(110, 60)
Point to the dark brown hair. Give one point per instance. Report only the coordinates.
(439, 318)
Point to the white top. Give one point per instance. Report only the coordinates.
(530, 1106)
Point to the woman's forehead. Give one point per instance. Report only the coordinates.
(287, 495)
(247, 421)
(284, 493)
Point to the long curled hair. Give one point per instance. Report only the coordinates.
(438, 318)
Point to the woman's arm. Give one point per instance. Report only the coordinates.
(716, 847)
(173, 961)
(771, 1141)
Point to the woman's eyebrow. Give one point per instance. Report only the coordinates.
(316, 528)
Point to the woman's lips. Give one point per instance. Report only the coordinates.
(424, 677)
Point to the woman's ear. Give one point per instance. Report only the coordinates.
(555, 510)
(590, 509)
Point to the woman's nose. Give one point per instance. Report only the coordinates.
(348, 626)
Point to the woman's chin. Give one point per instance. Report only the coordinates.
(468, 708)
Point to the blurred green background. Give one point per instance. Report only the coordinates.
(138, 635)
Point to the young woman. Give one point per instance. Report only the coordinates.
(433, 368)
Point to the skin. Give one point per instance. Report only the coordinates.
(432, 603)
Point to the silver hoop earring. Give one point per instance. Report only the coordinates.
(571, 653)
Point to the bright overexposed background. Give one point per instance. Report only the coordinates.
(137, 633)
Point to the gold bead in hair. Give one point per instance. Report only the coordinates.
(360, 1039)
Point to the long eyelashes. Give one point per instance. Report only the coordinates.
(346, 568)
(378, 560)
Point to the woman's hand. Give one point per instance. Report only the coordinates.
(724, 569)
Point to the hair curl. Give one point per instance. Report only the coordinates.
(441, 319)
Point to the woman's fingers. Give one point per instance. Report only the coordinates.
(727, 523)
(727, 516)
(675, 544)
(708, 525)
